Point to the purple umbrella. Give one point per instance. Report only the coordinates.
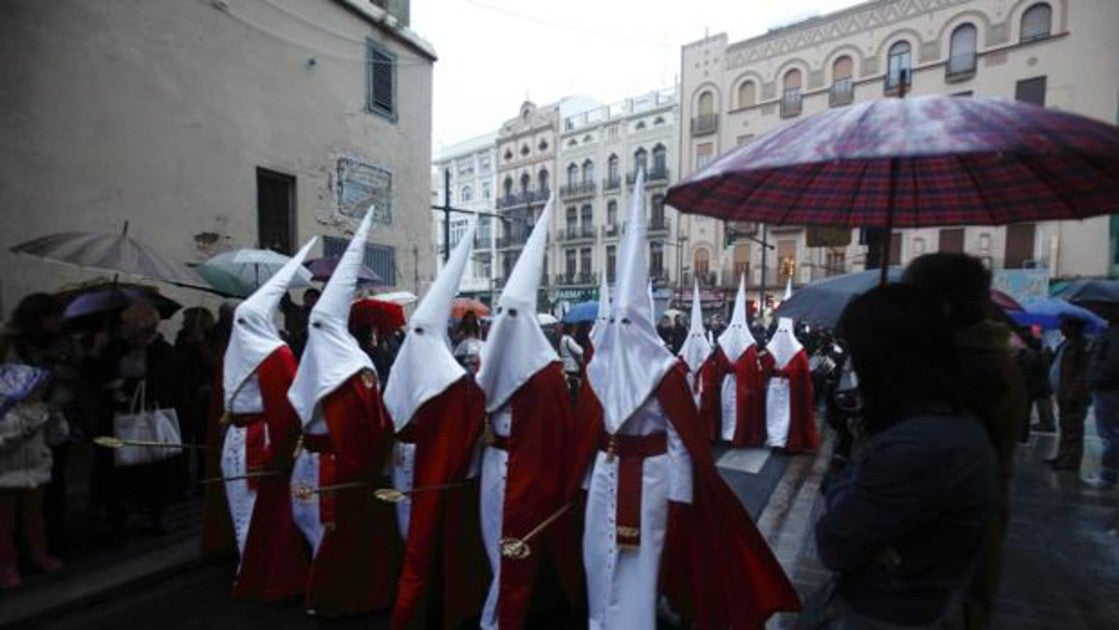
(108, 298)
(323, 268)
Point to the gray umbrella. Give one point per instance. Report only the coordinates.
(109, 252)
(822, 302)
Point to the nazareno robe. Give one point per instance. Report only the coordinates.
(354, 566)
(800, 436)
(525, 485)
(716, 570)
(274, 561)
(444, 573)
(749, 398)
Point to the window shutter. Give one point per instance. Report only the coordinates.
(382, 81)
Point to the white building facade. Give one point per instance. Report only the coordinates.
(1057, 53)
(472, 165)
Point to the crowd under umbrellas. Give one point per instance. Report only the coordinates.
(917, 162)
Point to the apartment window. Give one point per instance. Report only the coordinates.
(542, 181)
(706, 104)
(483, 234)
(611, 261)
(572, 219)
(483, 266)
(790, 98)
(508, 185)
(585, 261)
(701, 263)
(569, 260)
(612, 132)
(586, 215)
(380, 79)
(612, 212)
(660, 159)
(898, 64)
(588, 172)
(467, 194)
(1019, 245)
(1031, 91)
(526, 183)
(612, 169)
(961, 51)
(487, 190)
(951, 240)
(835, 263)
(1036, 22)
(657, 218)
(842, 87)
(380, 258)
(275, 208)
(747, 94)
(703, 154)
(572, 175)
(656, 259)
(640, 160)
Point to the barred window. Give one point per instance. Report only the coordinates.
(380, 258)
(380, 97)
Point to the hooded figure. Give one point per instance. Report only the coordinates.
(658, 515)
(696, 351)
(256, 454)
(344, 447)
(737, 393)
(437, 412)
(525, 462)
(790, 423)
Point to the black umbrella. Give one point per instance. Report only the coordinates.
(821, 303)
(1100, 291)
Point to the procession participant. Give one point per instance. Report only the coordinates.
(437, 412)
(344, 447)
(525, 463)
(653, 486)
(696, 355)
(599, 322)
(261, 432)
(790, 421)
(737, 393)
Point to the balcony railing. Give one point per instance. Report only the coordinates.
(654, 176)
(791, 103)
(482, 241)
(514, 240)
(659, 224)
(612, 183)
(842, 92)
(578, 278)
(705, 124)
(579, 189)
(612, 230)
(574, 232)
(523, 198)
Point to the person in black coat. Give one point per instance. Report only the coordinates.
(906, 519)
(120, 363)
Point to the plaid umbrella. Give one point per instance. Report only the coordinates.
(915, 162)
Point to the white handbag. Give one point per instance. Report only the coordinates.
(144, 425)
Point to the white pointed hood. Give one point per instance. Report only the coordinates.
(332, 355)
(603, 311)
(784, 345)
(425, 366)
(737, 338)
(630, 361)
(696, 347)
(254, 334)
(516, 348)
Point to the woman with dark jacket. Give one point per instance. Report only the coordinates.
(138, 354)
(906, 520)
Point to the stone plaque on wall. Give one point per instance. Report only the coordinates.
(361, 185)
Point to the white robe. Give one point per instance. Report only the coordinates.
(305, 474)
(729, 401)
(403, 469)
(622, 584)
(495, 465)
(234, 462)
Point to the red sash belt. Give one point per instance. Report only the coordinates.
(320, 443)
(631, 450)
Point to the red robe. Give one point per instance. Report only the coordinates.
(354, 571)
(749, 396)
(538, 473)
(445, 567)
(705, 384)
(803, 436)
(716, 569)
(275, 561)
(218, 537)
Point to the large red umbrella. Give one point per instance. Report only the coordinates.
(386, 317)
(461, 305)
(915, 162)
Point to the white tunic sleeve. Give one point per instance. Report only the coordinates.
(680, 468)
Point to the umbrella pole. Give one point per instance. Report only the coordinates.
(891, 200)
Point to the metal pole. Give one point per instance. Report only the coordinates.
(446, 214)
(761, 296)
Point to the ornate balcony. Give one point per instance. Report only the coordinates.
(577, 190)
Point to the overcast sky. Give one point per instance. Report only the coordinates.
(495, 53)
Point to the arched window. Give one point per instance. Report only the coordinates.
(706, 104)
(747, 93)
(899, 63)
(526, 182)
(660, 162)
(961, 50)
(612, 212)
(612, 177)
(586, 218)
(842, 86)
(701, 264)
(656, 220)
(640, 160)
(467, 194)
(508, 186)
(572, 175)
(1037, 22)
(791, 97)
(588, 173)
(542, 182)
